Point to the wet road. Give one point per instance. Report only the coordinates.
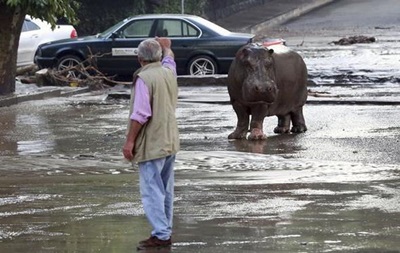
(64, 186)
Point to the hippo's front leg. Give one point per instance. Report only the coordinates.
(256, 125)
(242, 126)
(283, 124)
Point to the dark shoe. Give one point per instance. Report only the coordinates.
(145, 240)
(154, 242)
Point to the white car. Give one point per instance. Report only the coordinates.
(35, 32)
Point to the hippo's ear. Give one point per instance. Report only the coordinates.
(270, 51)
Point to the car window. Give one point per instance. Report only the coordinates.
(111, 29)
(212, 26)
(177, 28)
(138, 29)
(29, 26)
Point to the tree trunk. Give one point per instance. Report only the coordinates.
(11, 20)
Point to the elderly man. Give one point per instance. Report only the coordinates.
(152, 138)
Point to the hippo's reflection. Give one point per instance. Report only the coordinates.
(278, 144)
(250, 146)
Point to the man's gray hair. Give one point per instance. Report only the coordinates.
(150, 50)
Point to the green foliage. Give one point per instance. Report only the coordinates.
(195, 7)
(97, 15)
(49, 10)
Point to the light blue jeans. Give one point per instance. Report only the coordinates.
(157, 191)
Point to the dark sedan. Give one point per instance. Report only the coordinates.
(200, 46)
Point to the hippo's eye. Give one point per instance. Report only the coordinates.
(267, 63)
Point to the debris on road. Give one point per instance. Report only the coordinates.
(354, 40)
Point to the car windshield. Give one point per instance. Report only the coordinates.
(111, 29)
(218, 29)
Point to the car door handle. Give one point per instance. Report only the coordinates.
(184, 45)
(35, 36)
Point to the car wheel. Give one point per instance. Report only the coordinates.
(68, 64)
(202, 65)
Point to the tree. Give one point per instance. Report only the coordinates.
(12, 14)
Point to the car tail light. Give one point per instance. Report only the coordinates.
(271, 42)
(74, 34)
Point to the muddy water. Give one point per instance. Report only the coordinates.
(65, 188)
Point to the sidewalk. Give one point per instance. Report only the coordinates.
(273, 12)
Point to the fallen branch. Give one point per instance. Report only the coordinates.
(84, 74)
(321, 94)
(26, 70)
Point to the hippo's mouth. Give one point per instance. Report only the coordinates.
(259, 97)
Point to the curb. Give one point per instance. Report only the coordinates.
(207, 80)
(224, 99)
(311, 101)
(15, 99)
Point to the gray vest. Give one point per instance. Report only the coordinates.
(159, 137)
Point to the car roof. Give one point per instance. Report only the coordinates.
(165, 15)
(192, 18)
(201, 23)
(37, 21)
(197, 20)
(42, 23)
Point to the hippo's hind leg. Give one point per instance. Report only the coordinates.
(283, 124)
(242, 127)
(299, 124)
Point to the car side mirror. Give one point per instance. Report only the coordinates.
(114, 35)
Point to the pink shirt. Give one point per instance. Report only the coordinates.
(141, 104)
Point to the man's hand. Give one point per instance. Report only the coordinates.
(165, 46)
(164, 42)
(128, 150)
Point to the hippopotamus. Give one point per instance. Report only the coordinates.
(266, 81)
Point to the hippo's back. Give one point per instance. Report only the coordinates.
(291, 79)
(289, 65)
